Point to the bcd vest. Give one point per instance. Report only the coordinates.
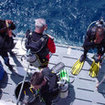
(37, 43)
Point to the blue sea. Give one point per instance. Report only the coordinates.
(67, 19)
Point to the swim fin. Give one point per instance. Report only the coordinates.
(77, 67)
(94, 69)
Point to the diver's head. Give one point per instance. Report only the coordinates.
(37, 80)
(40, 25)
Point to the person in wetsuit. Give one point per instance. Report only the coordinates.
(40, 43)
(6, 40)
(95, 38)
(46, 82)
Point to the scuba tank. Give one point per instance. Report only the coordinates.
(57, 68)
(63, 75)
(98, 23)
(33, 59)
(63, 84)
(64, 91)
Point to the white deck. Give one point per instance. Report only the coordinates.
(82, 90)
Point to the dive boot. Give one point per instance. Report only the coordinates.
(94, 69)
(77, 67)
(82, 58)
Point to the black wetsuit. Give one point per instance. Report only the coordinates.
(6, 42)
(89, 42)
(50, 90)
(37, 43)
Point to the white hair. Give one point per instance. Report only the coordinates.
(40, 22)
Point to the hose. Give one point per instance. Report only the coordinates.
(22, 85)
(91, 25)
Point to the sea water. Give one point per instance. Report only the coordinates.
(67, 19)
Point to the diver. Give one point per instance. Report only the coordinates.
(95, 38)
(39, 44)
(6, 40)
(46, 81)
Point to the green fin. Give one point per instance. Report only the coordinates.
(94, 69)
(77, 67)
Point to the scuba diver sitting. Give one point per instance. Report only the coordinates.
(95, 38)
(40, 44)
(46, 81)
(51, 84)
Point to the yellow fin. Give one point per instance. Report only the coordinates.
(77, 67)
(94, 69)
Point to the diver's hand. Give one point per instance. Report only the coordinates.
(10, 25)
(9, 21)
(96, 41)
(98, 59)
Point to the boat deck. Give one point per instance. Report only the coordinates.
(82, 87)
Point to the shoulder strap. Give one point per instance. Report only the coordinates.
(44, 39)
(28, 33)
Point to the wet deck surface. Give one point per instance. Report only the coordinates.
(82, 88)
